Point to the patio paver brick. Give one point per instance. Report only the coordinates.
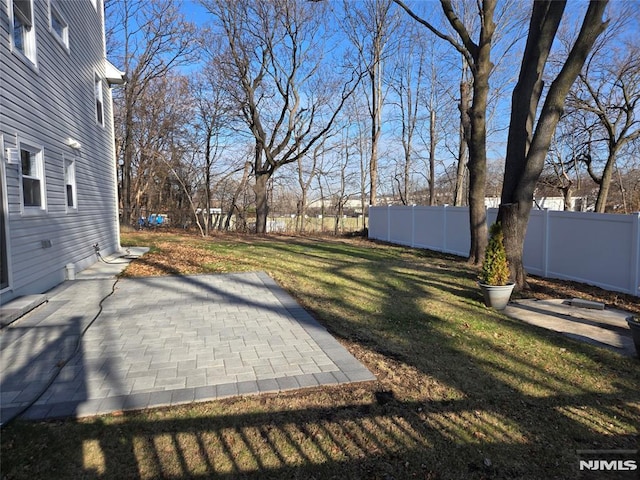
(165, 341)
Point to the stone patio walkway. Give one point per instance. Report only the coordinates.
(162, 341)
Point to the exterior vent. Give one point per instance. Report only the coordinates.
(13, 156)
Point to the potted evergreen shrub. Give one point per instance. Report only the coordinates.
(494, 277)
(634, 326)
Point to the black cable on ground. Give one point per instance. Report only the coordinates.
(62, 364)
(101, 258)
(107, 261)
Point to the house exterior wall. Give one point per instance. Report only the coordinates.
(44, 105)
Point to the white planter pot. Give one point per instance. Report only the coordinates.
(634, 326)
(497, 296)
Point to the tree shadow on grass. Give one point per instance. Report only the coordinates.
(521, 373)
(452, 402)
(383, 438)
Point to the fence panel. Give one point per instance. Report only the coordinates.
(379, 223)
(401, 225)
(457, 227)
(427, 231)
(535, 244)
(598, 249)
(592, 248)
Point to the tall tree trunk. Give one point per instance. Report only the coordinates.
(526, 148)
(432, 156)
(363, 182)
(304, 186)
(302, 203)
(478, 56)
(207, 184)
(376, 94)
(567, 194)
(303, 210)
(478, 145)
(516, 203)
(465, 136)
(407, 177)
(262, 203)
(234, 199)
(127, 165)
(605, 181)
(406, 170)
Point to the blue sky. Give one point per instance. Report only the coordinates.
(496, 145)
(195, 12)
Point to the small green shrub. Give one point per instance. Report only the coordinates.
(495, 267)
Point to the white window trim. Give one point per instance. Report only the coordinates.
(39, 151)
(98, 95)
(5, 206)
(29, 55)
(63, 39)
(70, 162)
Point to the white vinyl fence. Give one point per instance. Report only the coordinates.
(594, 248)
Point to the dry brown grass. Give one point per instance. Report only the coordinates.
(462, 391)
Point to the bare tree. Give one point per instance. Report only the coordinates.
(628, 179)
(465, 136)
(236, 203)
(528, 143)
(306, 173)
(158, 138)
(369, 25)
(434, 111)
(341, 196)
(212, 118)
(335, 178)
(478, 56)
(607, 93)
(154, 39)
(559, 176)
(287, 96)
(357, 142)
(407, 85)
(562, 170)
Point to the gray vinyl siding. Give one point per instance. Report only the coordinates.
(44, 106)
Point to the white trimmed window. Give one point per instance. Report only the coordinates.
(32, 173)
(58, 25)
(70, 184)
(97, 89)
(23, 33)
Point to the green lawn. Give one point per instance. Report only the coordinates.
(462, 391)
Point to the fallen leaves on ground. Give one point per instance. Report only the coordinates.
(177, 259)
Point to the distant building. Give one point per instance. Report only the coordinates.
(543, 203)
(58, 188)
(329, 205)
